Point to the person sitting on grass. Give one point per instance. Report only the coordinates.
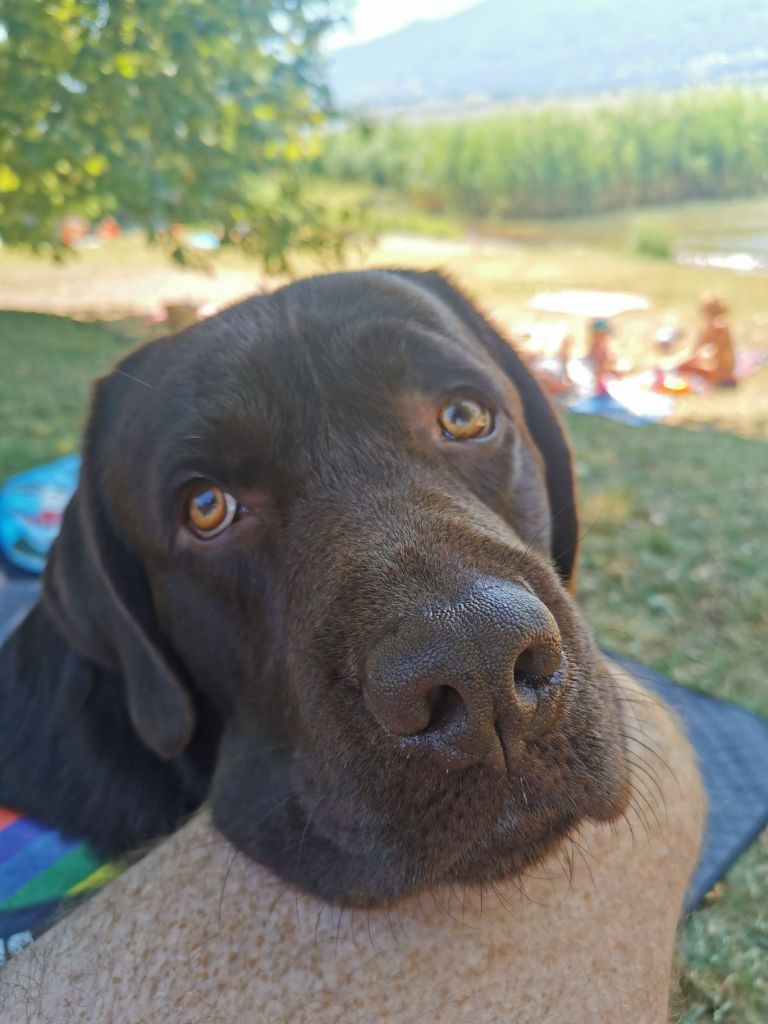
(713, 357)
(600, 355)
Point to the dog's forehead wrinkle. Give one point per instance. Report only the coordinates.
(237, 400)
(359, 294)
(378, 300)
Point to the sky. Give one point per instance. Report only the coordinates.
(371, 18)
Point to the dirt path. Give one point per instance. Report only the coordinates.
(123, 280)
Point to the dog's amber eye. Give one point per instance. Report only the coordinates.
(210, 510)
(464, 419)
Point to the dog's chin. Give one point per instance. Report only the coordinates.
(478, 833)
(299, 853)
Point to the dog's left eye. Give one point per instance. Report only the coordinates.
(463, 419)
(210, 510)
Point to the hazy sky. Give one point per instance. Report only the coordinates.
(371, 18)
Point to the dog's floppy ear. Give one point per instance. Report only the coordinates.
(540, 417)
(97, 595)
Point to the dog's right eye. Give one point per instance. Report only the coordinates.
(464, 419)
(209, 510)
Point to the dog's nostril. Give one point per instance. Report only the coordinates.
(447, 708)
(536, 665)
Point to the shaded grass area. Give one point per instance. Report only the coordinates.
(724, 948)
(673, 573)
(673, 566)
(47, 364)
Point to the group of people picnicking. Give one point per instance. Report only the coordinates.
(710, 363)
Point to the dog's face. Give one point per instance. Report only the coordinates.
(331, 527)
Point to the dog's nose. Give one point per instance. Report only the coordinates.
(471, 679)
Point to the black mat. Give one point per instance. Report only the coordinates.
(732, 746)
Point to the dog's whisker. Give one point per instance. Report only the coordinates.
(641, 819)
(585, 850)
(640, 809)
(235, 851)
(232, 859)
(137, 380)
(437, 891)
(568, 854)
(419, 904)
(281, 893)
(634, 738)
(586, 854)
(562, 853)
(528, 875)
(628, 693)
(502, 900)
(391, 926)
(625, 818)
(633, 705)
(353, 918)
(303, 836)
(318, 918)
(208, 844)
(368, 925)
(650, 775)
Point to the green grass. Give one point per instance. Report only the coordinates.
(673, 564)
(673, 573)
(47, 364)
(724, 948)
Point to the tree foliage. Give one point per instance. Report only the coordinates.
(569, 159)
(160, 112)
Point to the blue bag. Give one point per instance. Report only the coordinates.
(31, 507)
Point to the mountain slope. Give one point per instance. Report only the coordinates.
(508, 49)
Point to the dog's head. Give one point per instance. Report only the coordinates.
(333, 528)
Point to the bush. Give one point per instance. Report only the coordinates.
(652, 237)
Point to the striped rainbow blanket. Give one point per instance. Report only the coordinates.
(40, 871)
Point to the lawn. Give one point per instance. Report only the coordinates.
(673, 573)
(48, 363)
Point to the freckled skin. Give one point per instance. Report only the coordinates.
(195, 933)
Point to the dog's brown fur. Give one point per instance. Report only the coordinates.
(160, 668)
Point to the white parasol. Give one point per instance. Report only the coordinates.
(591, 304)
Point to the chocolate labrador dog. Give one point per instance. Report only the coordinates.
(316, 571)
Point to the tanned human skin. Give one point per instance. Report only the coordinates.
(197, 932)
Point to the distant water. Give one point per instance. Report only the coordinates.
(727, 235)
(738, 260)
(730, 235)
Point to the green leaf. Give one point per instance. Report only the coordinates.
(95, 165)
(127, 64)
(9, 179)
